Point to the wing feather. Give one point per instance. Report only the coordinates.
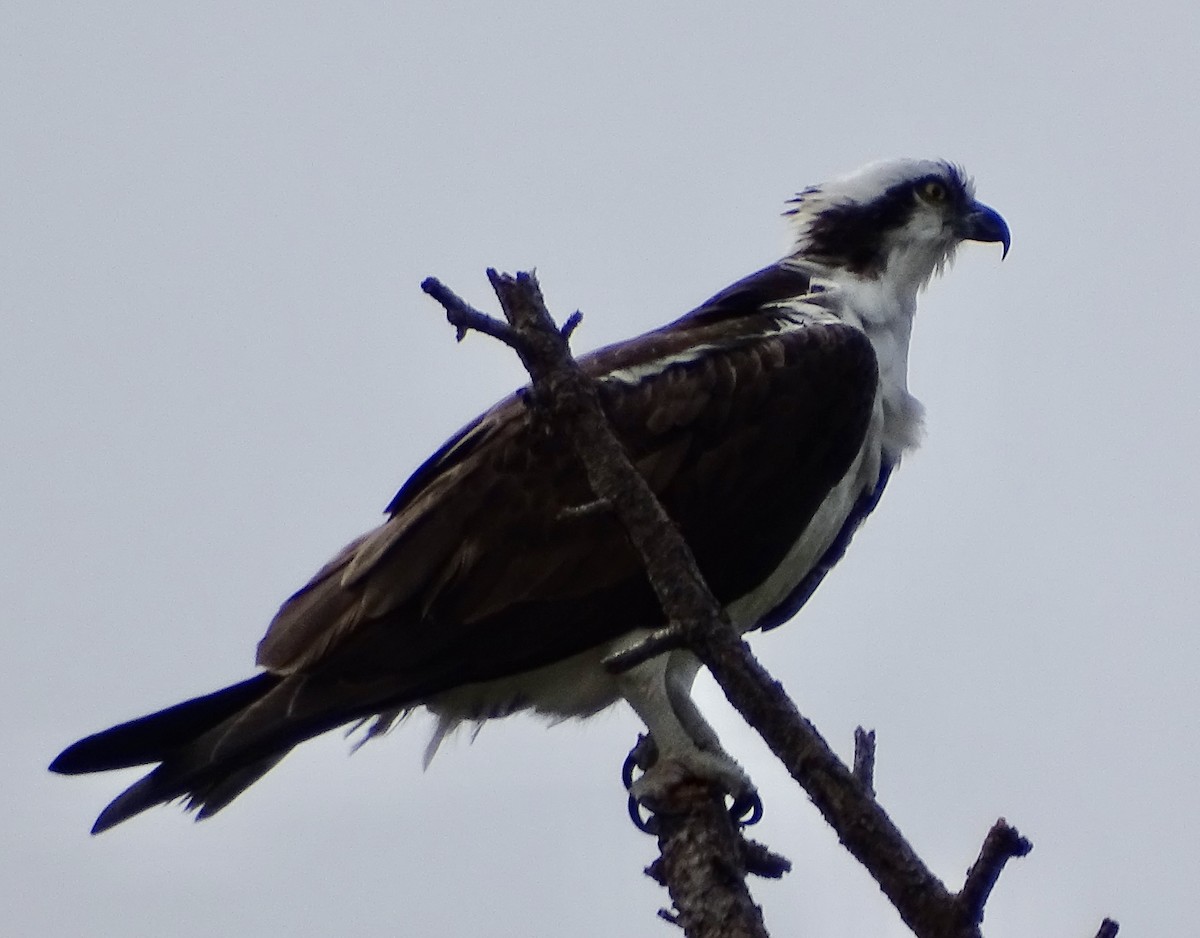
(484, 568)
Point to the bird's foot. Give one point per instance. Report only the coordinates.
(659, 774)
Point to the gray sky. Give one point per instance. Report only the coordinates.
(217, 367)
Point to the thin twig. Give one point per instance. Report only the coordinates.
(464, 317)
(864, 759)
(572, 323)
(1001, 845)
(761, 861)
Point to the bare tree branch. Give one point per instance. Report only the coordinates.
(703, 866)
(465, 317)
(695, 838)
(1001, 844)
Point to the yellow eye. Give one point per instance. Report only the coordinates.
(933, 191)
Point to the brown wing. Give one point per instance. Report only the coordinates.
(484, 570)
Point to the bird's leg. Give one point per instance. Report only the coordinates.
(659, 690)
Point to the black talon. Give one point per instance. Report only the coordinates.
(641, 757)
(746, 810)
(627, 772)
(648, 824)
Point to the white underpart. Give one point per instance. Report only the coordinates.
(579, 686)
(659, 691)
(884, 311)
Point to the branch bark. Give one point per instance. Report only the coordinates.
(844, 797)
(703, 866)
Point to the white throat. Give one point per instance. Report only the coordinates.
(883, 307)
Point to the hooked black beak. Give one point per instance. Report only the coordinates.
(984, 224)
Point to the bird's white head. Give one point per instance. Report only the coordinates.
(899, 220)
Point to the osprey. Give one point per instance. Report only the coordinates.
(767, 421)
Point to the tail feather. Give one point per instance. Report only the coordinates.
(212, 748)
(205, 797)
(208, 800)
(152, 738)
(135, 799)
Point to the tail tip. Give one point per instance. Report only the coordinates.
(135, 799)
(67, 762)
